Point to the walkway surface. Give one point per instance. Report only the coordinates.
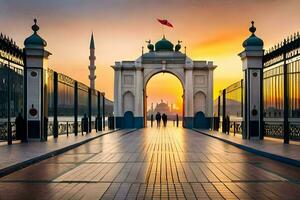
(152, 163)
(20, 154)
(269, 147)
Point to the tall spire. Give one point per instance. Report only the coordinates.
(92, 66)
(92, 45)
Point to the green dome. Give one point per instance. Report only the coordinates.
(164, 45)
(35, 39)
(253, 40)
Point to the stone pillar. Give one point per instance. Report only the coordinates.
(252, 58)
(139, 99)
(118, 95)
(210, 93)
(188, 99)
(35, 87)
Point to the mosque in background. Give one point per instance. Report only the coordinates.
(163, 107)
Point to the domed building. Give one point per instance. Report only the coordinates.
(131, 78)
(163, 107)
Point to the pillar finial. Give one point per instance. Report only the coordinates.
(252, 29)
(35, 27)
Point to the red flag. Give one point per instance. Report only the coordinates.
(165, 22)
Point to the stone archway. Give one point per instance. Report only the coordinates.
(133, 76)
(148, 77)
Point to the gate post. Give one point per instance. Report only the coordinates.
(35, 90)
(9, 131)
(252, 58)
(103, 111)
(286, 126)
(99, 121)
(218, 116)
(90, 109)
(224, 111)
(55, 101)
(76, 108)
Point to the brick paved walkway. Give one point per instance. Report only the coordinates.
(165, 163)
(19, 154)
(269, 147)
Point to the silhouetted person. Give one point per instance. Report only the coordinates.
(96, 123)
(165, 119)
(20, 128)
(151, 118)
(228, 124)
(46, 128)
(84, 124)
(177, 120)
(158, 119)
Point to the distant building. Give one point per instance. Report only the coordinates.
(164, 107)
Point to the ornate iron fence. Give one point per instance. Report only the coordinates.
(11, 87)
(229, 106)
(281, 92)
(62, 91)
(281, 89)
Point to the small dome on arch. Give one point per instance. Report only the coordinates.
(164, 45)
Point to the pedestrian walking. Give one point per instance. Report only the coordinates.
(165, 119)
(158, 119)
(20, 128)
(151, 118)
(84, 124)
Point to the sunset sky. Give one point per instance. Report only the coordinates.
(211, 30)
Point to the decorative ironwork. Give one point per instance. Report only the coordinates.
(66, 80)
(273, 129)
(290, 46)
(234, 86)
(295, 131)
(83, 87)
(9, 51)
(236, 127)
(3, 131)
(64, 127)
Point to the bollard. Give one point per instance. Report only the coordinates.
(9, 133)
(67, 129)
(233, 128)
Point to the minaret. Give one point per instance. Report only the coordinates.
(92, 66)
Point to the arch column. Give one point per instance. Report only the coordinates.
(188, 99)
(118, 95)
(139, 99)
(210, 93)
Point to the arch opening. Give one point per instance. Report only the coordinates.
(163, 93)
